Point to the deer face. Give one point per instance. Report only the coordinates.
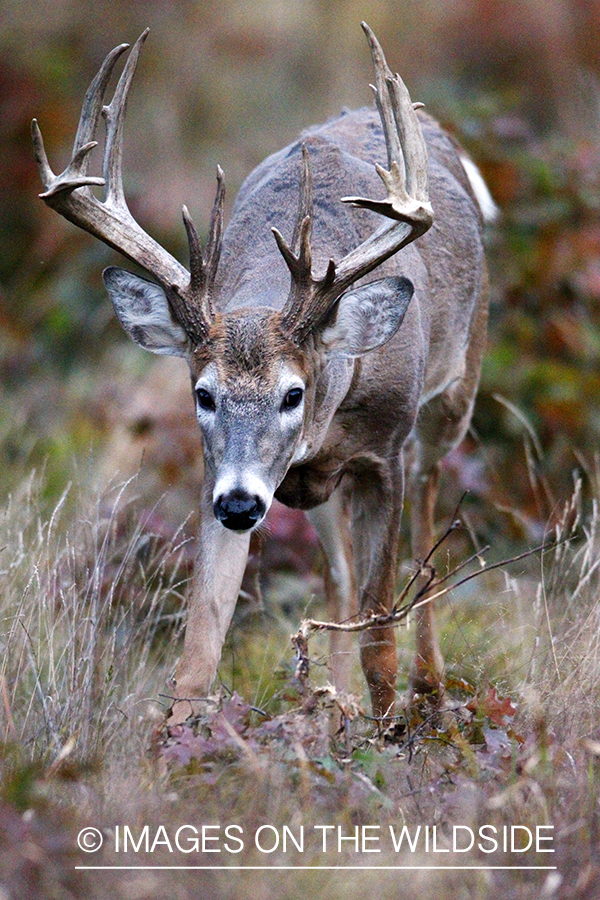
(263, 398)
(250, 385)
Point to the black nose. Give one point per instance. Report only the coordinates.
(238, 510)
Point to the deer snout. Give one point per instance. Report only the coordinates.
(239, 510)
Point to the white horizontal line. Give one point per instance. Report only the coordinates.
(329, 868)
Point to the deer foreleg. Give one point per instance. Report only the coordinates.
(219, 568)
(376, 513)
(332, 524)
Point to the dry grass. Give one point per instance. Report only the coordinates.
(90, 631)
(85, 595)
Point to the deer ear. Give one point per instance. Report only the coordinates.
(143, 311)
(368, 317)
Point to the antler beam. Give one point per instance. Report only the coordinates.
(110, 219)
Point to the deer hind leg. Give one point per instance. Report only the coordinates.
(445, 418)
(441, 425)
(331, 521)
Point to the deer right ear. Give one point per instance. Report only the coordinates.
(143, 311)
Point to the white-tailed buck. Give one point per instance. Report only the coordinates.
(316, 349)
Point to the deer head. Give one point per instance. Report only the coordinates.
(266, 381)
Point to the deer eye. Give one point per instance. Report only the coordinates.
(205, 401)
(292, 399)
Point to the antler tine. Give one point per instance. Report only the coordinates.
(197, 273)
(93, 103)
(191, 304)
(215, 234)
(114, 115)
(296, 263)
(382, 73)
(407, 179)
(203, 271)
(403, 137)
(46, 174)
(297, 254)
(75, 174)
(414, 150)
(305, 202)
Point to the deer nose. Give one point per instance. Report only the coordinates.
(238, 510)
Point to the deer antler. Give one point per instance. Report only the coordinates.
(298, 256)
(407, 204)
(110, 219)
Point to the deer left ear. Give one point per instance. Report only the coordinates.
(368, 317)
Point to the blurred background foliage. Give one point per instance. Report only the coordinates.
(517, 81)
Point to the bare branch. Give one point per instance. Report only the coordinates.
(400, 612)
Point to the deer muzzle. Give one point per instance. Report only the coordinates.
(239, 510)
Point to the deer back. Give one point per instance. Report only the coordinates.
(445, 266)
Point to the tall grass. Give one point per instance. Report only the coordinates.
(91, 621)
(89, 632)
(85, 591)
(565, 667)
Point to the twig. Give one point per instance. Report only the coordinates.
(454, 525)
(400, 612)
(462, 565)
(300, 642)
(541, 548)
(188, 699)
